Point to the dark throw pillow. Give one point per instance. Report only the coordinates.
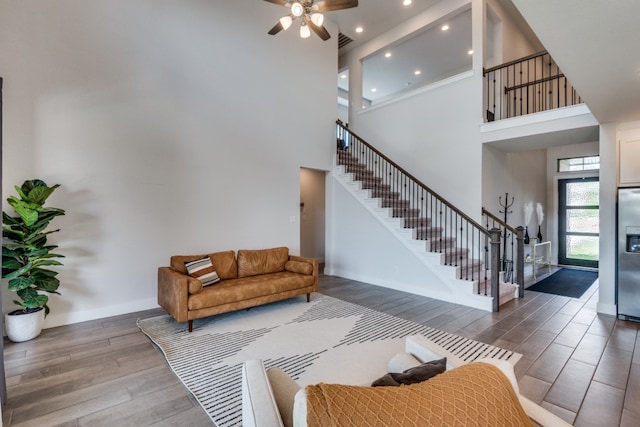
(412, 375)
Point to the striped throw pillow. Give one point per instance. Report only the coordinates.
(202, 269)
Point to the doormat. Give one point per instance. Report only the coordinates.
(566, 282)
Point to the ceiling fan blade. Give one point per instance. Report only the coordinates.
(329, 5)
(280, 2)
(276, 29)
(320, 30)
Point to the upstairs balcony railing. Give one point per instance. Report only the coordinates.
(528, 85)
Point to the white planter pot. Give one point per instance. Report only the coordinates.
(24, 327)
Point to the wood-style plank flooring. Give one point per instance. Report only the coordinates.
(580, 365)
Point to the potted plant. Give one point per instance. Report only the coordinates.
(25, 254)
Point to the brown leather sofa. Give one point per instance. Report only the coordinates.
(253, 278)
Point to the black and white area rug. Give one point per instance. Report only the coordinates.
(327, 340)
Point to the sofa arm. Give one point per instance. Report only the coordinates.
(173, 292)
(314, 263)
(259, 407)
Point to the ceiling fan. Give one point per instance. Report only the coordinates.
(310, 11)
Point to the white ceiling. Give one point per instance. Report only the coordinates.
(435, 53)
(375, 17)
(596, 43)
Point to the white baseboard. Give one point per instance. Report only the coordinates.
(54, 320)
(610, 309)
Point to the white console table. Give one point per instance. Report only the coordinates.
(535, 258)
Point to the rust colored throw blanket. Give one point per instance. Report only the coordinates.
(477, 394)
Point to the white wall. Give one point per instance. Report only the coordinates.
(361, 248)
(434, 136)
(173, 126)
(522, 175)
(608, 232)
(518, 40)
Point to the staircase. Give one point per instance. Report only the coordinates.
(447, 242)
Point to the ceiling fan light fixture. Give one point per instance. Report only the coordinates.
(286, 21)
(317, 19)
(297, 9)
(305, 32)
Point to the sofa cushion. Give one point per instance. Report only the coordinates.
(235, 290)
(401, 362)
(223, 262)
(203, 270)
(263, 261)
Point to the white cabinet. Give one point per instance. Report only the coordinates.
(629, 157)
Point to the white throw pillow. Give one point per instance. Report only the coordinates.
(401, 362)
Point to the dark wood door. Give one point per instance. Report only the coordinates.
(578, 222)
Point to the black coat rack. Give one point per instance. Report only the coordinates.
(505, 206)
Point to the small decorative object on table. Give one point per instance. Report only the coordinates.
(528, 211)
(540, 214)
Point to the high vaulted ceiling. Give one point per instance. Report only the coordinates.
(596, 43)
(375, 17)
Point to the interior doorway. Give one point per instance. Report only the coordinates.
(312, 214)
(579, 222)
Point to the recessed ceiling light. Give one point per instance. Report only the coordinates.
(387, 55)
(417, 72)
(406, 2)
(445, 27)
(374, 90)
(470, 52)
(343, 76)
(359, 29)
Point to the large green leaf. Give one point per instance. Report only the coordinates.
(45, 261)
(28, 212)
(39, 195)
(49, 284)
(19, 272)
(37, 253)
(41, 273)
(20, 283)
(32, 299)
(10, 220)
(11, 263)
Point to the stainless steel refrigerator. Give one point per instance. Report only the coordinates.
(628, 277)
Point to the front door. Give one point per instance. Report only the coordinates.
(578, 221)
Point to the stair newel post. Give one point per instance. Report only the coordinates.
(520, 260)
(495, 267)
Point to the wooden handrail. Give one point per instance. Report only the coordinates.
(485, 71)
(499, 221)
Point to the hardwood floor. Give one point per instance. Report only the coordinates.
(580, 365)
